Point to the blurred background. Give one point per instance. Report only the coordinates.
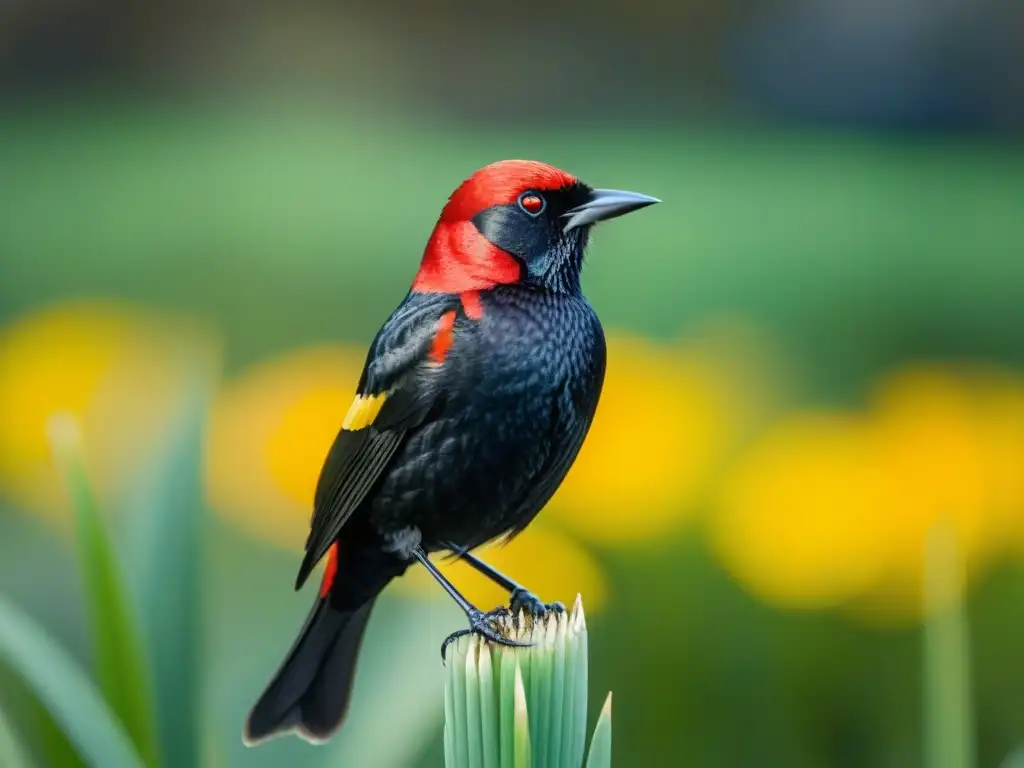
(816, 347)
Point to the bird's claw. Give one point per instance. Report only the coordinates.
(529, 604)
(451, 639)
(483, 624)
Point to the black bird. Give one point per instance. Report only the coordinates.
(476, 396)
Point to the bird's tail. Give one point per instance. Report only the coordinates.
(310, 692)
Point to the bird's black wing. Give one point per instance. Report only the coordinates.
(399, 388)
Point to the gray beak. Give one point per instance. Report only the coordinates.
(605, 204)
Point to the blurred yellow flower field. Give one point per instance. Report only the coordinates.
(269, 432)
(117, 370)
(834, 509)
(821, 509)
(782, 527)
(662, 427)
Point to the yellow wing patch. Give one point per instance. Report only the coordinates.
(363, 411)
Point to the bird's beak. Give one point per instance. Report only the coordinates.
(604, 204)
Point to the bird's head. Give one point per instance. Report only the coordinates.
(517, 221)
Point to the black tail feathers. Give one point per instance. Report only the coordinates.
(309, 694)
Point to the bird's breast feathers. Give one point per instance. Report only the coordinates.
(482, 346)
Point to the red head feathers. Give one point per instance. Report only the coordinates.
(457, 257)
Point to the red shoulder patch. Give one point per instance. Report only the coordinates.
(443, 337)
(471, 304)
(330, 571)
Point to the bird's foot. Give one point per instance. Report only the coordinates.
(485, 625)
(531, 605)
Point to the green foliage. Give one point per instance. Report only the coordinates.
(810, 235)
(521, 746)
(98, 722)
(35, 727)
(600, 755)
(522, 707)
(63, 688)
(949, 719)
(169, 568)
(13, 753)
(118, 661)
(113, 723)
(1014, 760)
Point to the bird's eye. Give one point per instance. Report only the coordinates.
(532, 203)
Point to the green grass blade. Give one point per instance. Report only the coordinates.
(540, 696)
(461, 718)
(498, 695)
(169, 569)
(949, 719)
(212, 746)
(522, 724)
(488, 710)
(558, 697)
(49, 744)
(120, 666)
(13, 753)
(525, 661)
(507, 714)
(570, 756)
(449, 714)
(1015, 759)
(474, 728)
(64, 691)
(601, 742)
(581, 679)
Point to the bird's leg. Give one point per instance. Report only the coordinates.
(479, 622)
(520, 598)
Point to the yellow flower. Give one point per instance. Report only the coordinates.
(115, 369)
(826, 511)
(946, 449)
(270, 432)
(1000, 415)
(795, 521)
(660, 429)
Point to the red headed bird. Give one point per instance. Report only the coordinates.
(473, 403)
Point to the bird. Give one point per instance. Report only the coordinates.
(474, 400)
